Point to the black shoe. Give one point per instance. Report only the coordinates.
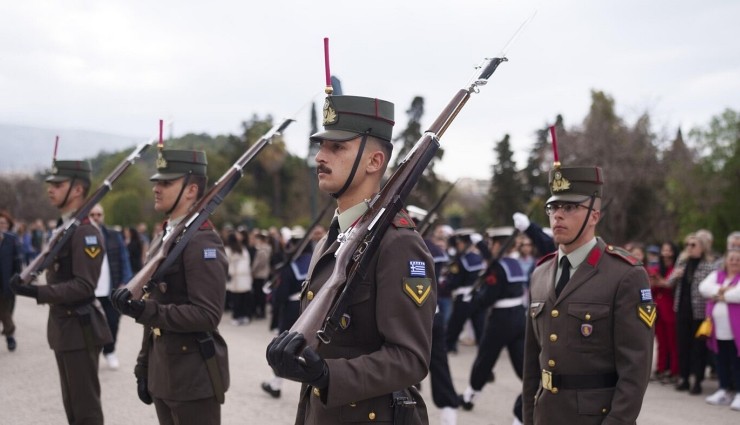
(695, 389)
(466, 405)
(682, 385)
(11, 343)
(268, 389)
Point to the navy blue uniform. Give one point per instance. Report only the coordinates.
(461, 277)
(287, 295)
(503, 292)
(443, 391)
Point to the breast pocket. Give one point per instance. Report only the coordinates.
(589, 327)
(535, 311)
(357, 326)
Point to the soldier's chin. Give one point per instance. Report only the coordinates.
(327, 186)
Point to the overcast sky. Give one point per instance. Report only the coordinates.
(118, 66)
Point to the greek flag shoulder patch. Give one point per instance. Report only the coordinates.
(209, 254)
(417, 268)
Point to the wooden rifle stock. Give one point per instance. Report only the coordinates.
(173, 243)
(360, 242)
(62, 234)
(426, 224)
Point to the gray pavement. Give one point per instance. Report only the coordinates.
(31, 394)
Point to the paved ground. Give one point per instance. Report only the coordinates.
(31, 395)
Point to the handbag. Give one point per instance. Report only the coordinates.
(705, 329)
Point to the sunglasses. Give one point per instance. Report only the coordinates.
(692, 244)
(96, 214)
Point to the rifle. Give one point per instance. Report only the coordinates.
(297, 251)
(426, 224)
(359, 243)
(174, 242)
(61, 234)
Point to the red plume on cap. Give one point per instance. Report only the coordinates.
(556, 159)
(328, 89)
(160, 145)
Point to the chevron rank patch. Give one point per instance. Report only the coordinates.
(647, 313)
(92, 246)
(418, 289)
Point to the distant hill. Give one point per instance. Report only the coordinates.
(30, 149)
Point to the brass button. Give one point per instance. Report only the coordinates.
(184, 348)
(588, 316)
(371, 416)
(554, 313)
(353, 404)
(69, 313)
(316, 392)
(604, 410)
(553, 337)
(309, 295)
(551, 363)
(554, 390)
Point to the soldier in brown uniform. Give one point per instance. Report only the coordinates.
(385, 345)
(589, 337)
(183, 364)
(77, 329)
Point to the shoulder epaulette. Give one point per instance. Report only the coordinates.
(85, 220)
(207, 225)
(547, 257)
(402, 220)
(623, 254)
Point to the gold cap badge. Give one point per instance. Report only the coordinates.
(330, 114)
(559, 183)
(161, 162)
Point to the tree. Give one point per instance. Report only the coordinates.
(506, 195)
(628, 158)
(719, 170)
(427, 189)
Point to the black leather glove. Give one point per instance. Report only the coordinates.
(142, 389)
(20, 288)
(287, 361)
(121, 300)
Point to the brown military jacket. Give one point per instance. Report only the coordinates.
(188, 303)
(386, 346)
(600, 326)
(70, 293)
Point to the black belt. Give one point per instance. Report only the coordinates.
(584, 382)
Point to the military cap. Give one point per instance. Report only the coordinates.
(173, 164)
(416, 213)
(69, 169)
(465, 231)
(575, 184)
(297, 232)
(499, 232)
(346, 117)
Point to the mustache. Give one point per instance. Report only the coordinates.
(323, 169)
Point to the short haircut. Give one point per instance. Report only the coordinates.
(201, 182)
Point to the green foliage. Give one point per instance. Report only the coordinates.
(427, 190)
(506, 194)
